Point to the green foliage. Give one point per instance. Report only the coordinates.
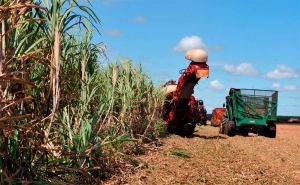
(96, 112)
(177, 152)
(136, 103)
(160, 129)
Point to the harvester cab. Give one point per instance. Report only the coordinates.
(201, 113)
(179, 106)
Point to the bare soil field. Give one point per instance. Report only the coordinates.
(212, 158)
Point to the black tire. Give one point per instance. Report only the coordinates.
(245, 133)
(229, 129)
(270, 130)
(224, 120)
(272, 133)
(170, 130)
(226, 128)
(205, 122)
(193, 126)
(188, 129)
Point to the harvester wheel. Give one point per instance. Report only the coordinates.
(229, 130)
(170, 130)
(193, 126)
(188, 129)
(205, 122)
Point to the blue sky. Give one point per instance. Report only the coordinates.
(250, 43)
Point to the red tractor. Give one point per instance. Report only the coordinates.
(180, 107)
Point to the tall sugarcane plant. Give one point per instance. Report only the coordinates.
(32, 34)
(64, 118)
(17, 107)
(137, 102)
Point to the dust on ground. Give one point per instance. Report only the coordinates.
(212, 158)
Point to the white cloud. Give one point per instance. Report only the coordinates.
(276, 85)
(229, 68)
(289, 87)
(139, 19)
(215, 84)
(113, 32)
(193, 42)
(281, 71)
(245, 69)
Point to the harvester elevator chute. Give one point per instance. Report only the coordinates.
(179, 106)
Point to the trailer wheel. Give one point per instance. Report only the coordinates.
(270, 130)
(245, 133)
(229, 130)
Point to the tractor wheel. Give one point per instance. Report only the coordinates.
(270, 130)
(222, 125)
(229, 130)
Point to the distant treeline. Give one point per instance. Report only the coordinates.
(281, 119)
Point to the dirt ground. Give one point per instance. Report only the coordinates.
(212, 158)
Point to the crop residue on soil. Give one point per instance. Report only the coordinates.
(212, 158)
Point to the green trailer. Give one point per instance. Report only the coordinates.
(250, 110)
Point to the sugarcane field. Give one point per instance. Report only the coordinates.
(96, 92)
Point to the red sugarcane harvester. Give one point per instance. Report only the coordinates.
(180, 105)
